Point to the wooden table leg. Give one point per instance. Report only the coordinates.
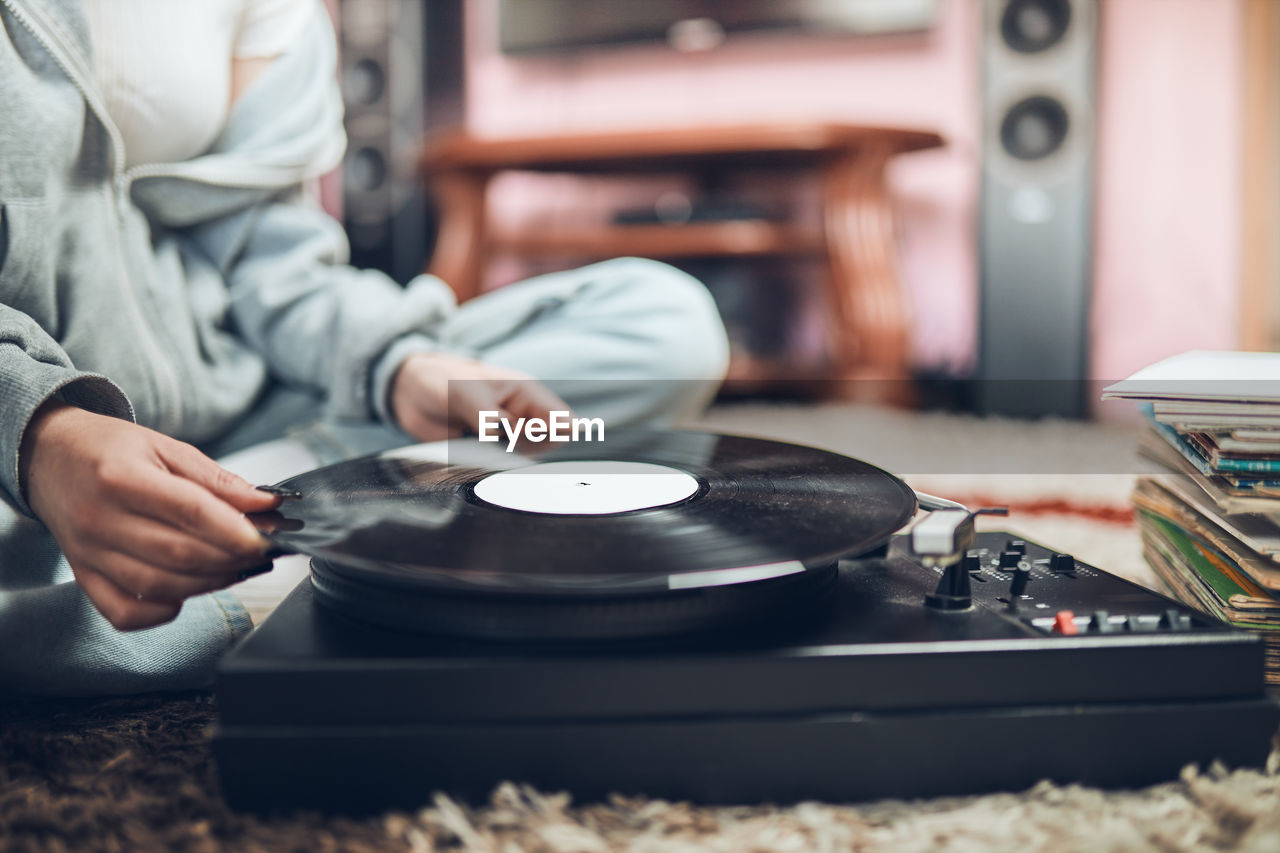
(870, 317)
(461, 239)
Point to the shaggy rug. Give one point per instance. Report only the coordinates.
(135, 775)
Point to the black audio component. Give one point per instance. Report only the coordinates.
(1053, 669)
(402, 78)
(1035, 234)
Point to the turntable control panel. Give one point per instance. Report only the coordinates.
(1055, 594)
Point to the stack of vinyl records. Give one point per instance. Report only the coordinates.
(1210, 526)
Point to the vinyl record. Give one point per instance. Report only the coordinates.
(643, 512)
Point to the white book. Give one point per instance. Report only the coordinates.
(1205, 375)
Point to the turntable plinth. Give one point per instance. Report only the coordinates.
(874, 696)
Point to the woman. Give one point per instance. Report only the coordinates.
(168, 288)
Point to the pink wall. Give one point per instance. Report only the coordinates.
(1167, 267)
(1166, 271)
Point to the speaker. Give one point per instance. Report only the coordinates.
(401, 75)
(1035, 246)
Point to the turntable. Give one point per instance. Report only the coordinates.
(691, 615)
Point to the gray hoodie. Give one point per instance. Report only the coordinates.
(173, 293)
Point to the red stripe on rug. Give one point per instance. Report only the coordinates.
(1052, 506)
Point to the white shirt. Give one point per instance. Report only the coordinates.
(164, 66)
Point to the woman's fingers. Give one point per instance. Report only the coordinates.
(424, 426)
(511, 398)
(468, 399)
(149, 582)
(143, 519)
(189, 507)
(173, 550)
(189, 463)
(435, 393)
(532, 399)
(124, 610)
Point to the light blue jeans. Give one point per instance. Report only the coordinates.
(629, 340)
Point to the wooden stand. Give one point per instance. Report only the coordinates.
(868, 317)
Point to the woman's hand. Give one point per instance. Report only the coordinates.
(435, 396)
(144, 520)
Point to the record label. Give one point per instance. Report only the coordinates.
(586, 487)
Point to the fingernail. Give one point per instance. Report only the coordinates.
(254, 572)
(253, 538)
(280, 492)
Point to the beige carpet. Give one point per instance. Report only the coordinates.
(1213, 810)
(135, 775)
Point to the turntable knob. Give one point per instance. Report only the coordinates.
(953, 592)
(1021, 575)
(1063, 564)
(1020, 579)
(1009, 560)
(1100, 623)
(1019, 545)
(1175, 620)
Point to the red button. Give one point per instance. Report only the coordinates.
(1065, 623)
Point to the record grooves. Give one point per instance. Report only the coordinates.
(649, 533)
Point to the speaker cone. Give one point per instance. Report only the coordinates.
(365, 170)
(1030, 26)
(364, 82)
(1034, 127)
